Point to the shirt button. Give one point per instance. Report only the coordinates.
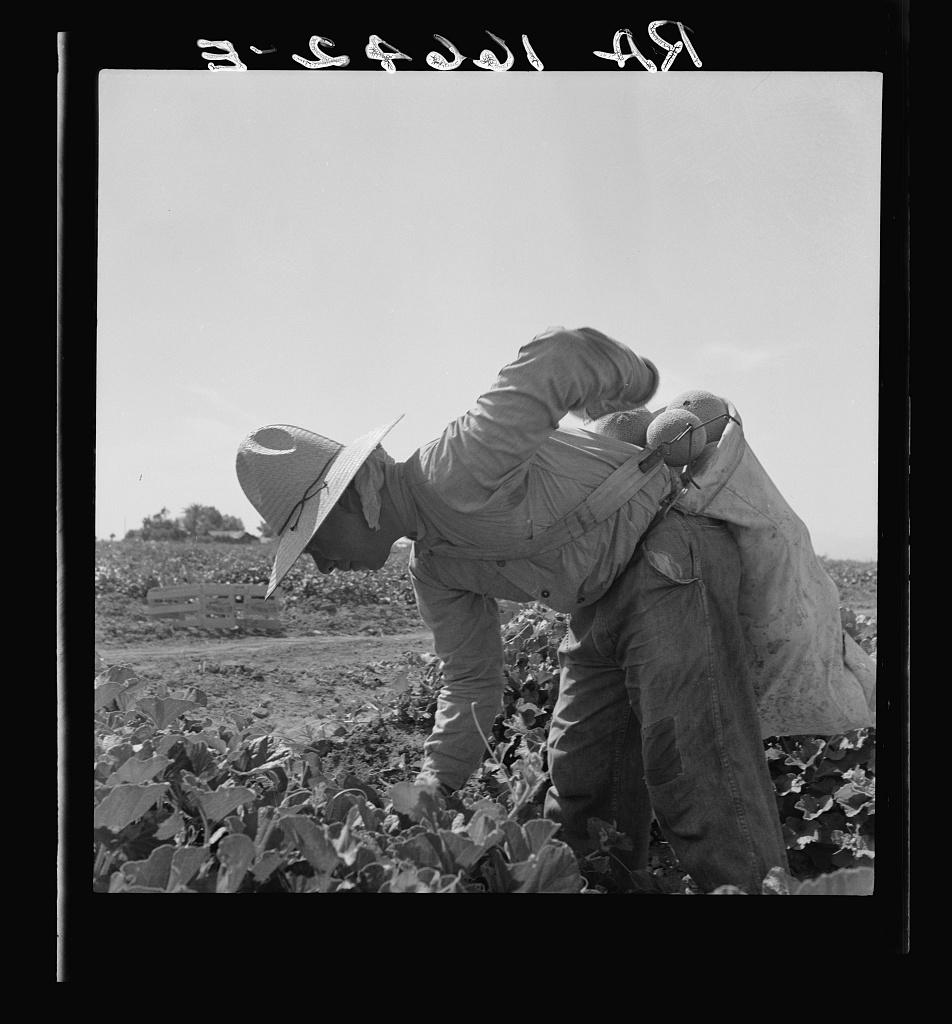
(501, 563)
(545, 593)
(581, 600)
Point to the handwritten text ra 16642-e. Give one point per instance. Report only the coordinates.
(378, 49)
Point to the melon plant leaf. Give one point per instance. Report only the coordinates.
(553, 869)
(165, 743)
(258, 753)
(518, 844)
(527, 772)
(312, 841)
(797, 833)
(126, 804)
(777, 883)
(403, 879)
(351, 781)
(219, 803)
(485, 821)
(424, 851)
(399, 682)
(121, 674)
(813, 806)
(416, 801)
(164, 710)
(135, 770)
(199, 756)
(212, 739)
(848, 882)
(266, 865)
(465, 852)
(236, 853)
(167, 869)
(346, 844)
(842, 761)
(789, 783)
(371, 877)
(371, 816)
(539, 831)
(806, 751)
(171, 827)
(338, 805)
(127, 699)
(152, 873)
(433, 881)
(413, 879)
(106, 693)
(852, 800)
(185, 864)
(607, 836)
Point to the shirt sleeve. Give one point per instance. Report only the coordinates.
(467, 638)
(486, 453)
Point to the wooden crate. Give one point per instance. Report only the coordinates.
(216, 605)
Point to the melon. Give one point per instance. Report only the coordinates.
(630, 425)
(679, 434)
(709, 409)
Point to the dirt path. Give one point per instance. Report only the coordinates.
(355, 644)
(284, 682)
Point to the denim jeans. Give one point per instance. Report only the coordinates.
(656, 716)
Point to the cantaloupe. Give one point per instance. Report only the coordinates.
(630, 425)
(679, 434)
(709, 409)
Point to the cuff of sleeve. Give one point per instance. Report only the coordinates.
(653, 390)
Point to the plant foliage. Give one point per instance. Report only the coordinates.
(186, 803)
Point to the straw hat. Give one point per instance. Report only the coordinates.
(294, 477)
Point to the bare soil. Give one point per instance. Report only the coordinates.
(286, 682)
(325, 663)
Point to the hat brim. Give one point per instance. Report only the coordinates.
(341, 471)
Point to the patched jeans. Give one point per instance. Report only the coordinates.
(656, 715)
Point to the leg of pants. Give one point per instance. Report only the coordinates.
(595, 759)
(666, 640)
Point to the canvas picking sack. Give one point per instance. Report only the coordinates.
(810, 677)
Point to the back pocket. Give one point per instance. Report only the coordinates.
(668, 567)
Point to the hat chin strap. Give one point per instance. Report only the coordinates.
(298, 508)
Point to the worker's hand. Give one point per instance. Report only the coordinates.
(430, 782)
(634, 396)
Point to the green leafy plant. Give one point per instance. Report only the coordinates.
(185, 802)
(826, 798)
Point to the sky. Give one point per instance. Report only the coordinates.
(331, 250)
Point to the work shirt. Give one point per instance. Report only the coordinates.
(494, 481)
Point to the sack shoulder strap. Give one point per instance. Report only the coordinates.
(616, 489)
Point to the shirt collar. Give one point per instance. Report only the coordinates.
(396, 484)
